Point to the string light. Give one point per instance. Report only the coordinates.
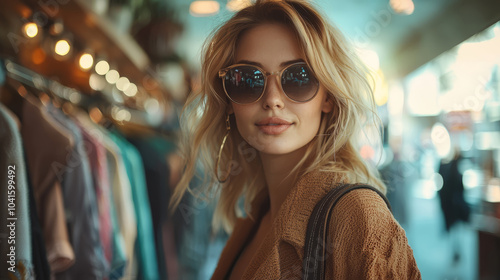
(112, 76)
(123, 83)
(103, 75)
(102, 67)
(131, 90)
(30, 29)
(62, 47)
(86, 61)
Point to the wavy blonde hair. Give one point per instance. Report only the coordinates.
(334, 63)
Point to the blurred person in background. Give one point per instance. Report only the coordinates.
(455, 208)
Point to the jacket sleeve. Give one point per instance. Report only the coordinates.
(366, 242)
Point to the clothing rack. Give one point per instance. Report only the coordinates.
(78, 160)
(108, 107)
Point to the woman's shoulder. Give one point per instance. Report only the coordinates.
(364, 233)
(364, 212)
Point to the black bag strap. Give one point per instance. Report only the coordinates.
(317, 227)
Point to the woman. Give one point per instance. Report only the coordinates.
(282, 103)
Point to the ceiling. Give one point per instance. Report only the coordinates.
(403, 42)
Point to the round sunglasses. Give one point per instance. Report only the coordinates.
(245, 84)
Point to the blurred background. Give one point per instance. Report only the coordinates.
(109, 77)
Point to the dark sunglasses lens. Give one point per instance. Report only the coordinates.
(299, 83)
(244, 84)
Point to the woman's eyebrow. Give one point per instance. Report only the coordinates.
(283, 64)
(249, 62)
(286, 63)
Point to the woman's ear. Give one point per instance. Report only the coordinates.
(327, 106)
(230, 109)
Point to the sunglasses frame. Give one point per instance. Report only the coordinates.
(223, 72)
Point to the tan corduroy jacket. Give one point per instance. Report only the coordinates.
(367, 242)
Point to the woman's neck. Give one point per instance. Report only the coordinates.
(279, 179)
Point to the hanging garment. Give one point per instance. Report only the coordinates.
(46, 144)
(39, 253)
(153, 152)
(121, 193)
(198, 250)
(80, 207)
(145, 246)
(15, 244)
(121, 213)
(99, 168)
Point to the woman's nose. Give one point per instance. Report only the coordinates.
(273, 96)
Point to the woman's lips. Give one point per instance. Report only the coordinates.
(274, 129)
(273, 126)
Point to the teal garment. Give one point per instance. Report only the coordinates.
(144, 246)
(153, 151)
(119, 260)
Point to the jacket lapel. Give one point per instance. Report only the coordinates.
(243, 230)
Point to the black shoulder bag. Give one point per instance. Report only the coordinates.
(317, 227)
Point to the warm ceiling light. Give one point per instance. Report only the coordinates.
(102, 67)
(237, 5)
(204, 8)
(112, 76)
(62, 47)
(30, 29)
(86, 61)
(403, 6)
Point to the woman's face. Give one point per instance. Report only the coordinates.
(275, 124)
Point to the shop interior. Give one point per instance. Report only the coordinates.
(119, 72)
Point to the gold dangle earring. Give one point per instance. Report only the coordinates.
(228, 129)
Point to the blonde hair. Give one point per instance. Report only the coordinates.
(335, 149)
